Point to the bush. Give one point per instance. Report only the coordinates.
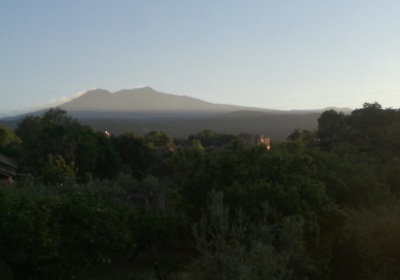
(239, 249)
(50, 233)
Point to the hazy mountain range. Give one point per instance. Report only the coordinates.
(146, 103)
(143, 110)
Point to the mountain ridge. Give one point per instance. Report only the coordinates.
(147, 103)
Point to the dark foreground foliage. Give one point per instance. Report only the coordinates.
(322, 205)
(60, 231)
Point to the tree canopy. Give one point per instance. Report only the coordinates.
(324, 204)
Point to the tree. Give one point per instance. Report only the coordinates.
(133, 152)
(53, 133)
(57, 134)
(87, 150)
(108, 163)
(28, 128)
(235, 248)
(9, 142)
(56, 116)
(197, 143)
(294, 135)
(209, 138)
(329, 124)
(57, 171)
(158, 140)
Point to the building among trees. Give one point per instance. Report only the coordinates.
(8, 168)
(255, 139)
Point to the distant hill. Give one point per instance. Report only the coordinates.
(146, 103)
(275, 126)
(141, 103)
(345, 111)
(143, 110)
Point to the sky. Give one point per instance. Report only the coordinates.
(269, 54)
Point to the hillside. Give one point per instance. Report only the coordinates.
(275, 126)
(143, 110)
(141, 103)
(146, 103)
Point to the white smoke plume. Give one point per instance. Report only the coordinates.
(61, 100)
(52, 102)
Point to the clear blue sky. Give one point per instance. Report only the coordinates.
(271, 54)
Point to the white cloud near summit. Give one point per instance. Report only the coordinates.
(63, 99)
(52, 102)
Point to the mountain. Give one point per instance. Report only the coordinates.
(345, 111)
(144, 100)
(141, 103)
(143, 110)
(146, 103)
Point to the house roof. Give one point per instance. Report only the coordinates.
(8, 166)
(8, 161)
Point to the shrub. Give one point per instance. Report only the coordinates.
(240, 249)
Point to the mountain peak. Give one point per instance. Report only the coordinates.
(141, 90)
(97, 92)
(142, 102)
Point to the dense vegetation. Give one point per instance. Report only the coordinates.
(322, 205)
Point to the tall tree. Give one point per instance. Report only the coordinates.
(57, 134)
(133, 152)
(9, 142)
(330, 124)
(108, 163)
(158, 140)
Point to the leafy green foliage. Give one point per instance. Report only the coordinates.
(133, 152)
(7, 137)
(322, 205)
(210, 138)
(28, 128)
(371, 248)
(57, 232)
(239, 249)
(158, 140)
(285, 177)
(57, 171)
(9, 142)
(329, 124)
(108, 162)
(57, 134)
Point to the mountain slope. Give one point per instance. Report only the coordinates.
(144, 103)
(275, 126)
